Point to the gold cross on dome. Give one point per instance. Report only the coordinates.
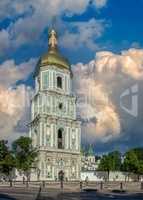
(53, 39)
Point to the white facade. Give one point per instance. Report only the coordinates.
(99, 176)
(89, 163)
(54, 129)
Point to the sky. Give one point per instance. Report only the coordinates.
(102, 40)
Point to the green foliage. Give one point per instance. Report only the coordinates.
(8, 165)
(25, 154)
(3, 149)
(133, 161)
(7, 161)
(110, 162)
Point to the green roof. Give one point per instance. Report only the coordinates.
(90, 151)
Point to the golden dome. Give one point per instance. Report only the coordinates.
(53, 56)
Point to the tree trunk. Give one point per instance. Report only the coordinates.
(138, 177)
(27, 183)
(23, 180)
(27, 179)
(10, 181)
(128, 177)
(108, 174)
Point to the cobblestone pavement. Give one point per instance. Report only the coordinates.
(68, 193)
(7, 193)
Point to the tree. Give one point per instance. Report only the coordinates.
(7, 161)
(133, 162)
(139, 154)
(110, 162)
(3, 149)
(25, 155)
(130, 162)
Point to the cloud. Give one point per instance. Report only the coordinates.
(10, 8)
(14, 99)
(10, 73)
(100, 3)
(101, 120)
(98, 86)
(14, 8)
(33, 16)
(4, 41)
(13, 106)
(85, 35)
(129, 62)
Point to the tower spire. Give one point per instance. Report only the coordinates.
(53, 42)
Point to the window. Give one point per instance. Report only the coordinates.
(60, 139)
(60, 106)
(59, 82)
(45, 77)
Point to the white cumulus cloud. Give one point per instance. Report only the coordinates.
(14, 99)
(10, 72)
(33, 16)
(99, 85)
(86, 34)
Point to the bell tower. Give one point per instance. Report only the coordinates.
(54, 130)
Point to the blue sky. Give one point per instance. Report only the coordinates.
(101, 35)
(123, 29)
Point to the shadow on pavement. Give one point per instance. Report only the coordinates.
(6, 197)
(119, 191)
(44, 198)
(90, 190)
(93, 195)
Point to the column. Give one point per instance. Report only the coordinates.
(52, 80)
(67, 139)
(40, 133)
(77, 139)
(32, 109)
(52, 135)
(53, 173)
(66, 83)
(30, 130)
(79, 136)
(50, 74)
(55, 138)
(45, 133)
(69, 84)
(70, 132)
(68, 89)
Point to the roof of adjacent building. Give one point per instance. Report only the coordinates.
(90, 151)
(87, 152)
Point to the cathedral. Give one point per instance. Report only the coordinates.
(54, 129)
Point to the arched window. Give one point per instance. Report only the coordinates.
(60, 139)
(59, 82)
